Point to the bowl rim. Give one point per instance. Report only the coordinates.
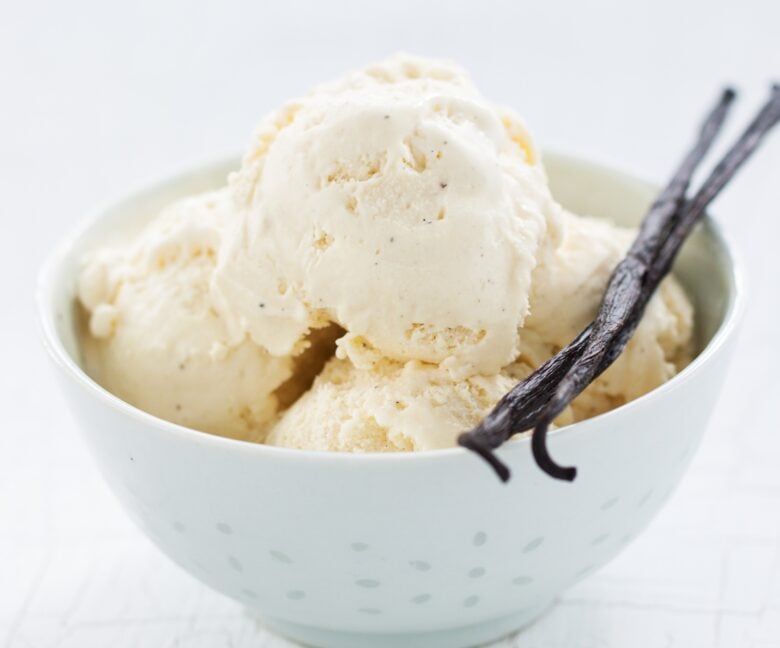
(47, 329)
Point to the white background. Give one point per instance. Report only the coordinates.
(96, 97)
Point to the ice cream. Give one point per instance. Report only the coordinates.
(389, 407)
(156, 340)
(400, 212)
(398, 204)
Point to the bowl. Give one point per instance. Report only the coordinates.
(405, 549)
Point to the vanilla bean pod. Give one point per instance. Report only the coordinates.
(520, 409)
(615, 324)
(659, 239)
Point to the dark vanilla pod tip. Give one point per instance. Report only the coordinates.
(470, 442)
(543, 458)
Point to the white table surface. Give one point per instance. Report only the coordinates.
(95, 97)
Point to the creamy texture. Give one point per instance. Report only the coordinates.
(398, 204)
(394, 219)
(389, 407)
(156, 340)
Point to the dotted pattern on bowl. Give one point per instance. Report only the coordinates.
(477, 581)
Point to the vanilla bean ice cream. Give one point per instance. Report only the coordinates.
(384, 265)
(398, 204)
(390, 406)
(155, 339)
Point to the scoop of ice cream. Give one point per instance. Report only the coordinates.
(156, 340)
(398, 204)
(394, 209)
(566, 295)
(389, 407)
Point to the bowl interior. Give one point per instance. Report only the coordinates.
(705, 266)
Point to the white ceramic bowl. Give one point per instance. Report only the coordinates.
(418, 549)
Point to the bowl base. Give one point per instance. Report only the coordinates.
(462, 637)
